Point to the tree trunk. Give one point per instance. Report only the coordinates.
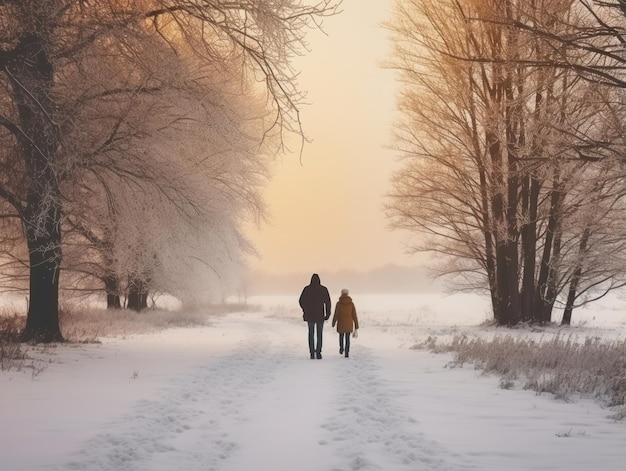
(505, 184)
(545, 290)
(507, 262)
(31, 78)
(552, 288)
(502, 313)
(571, 297)
(42, 321)
(133, 298)
(137, 295)
(112, 287)
(573, 286)
(529, 249)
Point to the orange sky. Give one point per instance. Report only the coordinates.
(326, 214)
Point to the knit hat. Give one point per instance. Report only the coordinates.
(344, 292)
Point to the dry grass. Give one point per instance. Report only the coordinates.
(15, 356)
(560, 365)
(81, 324)
(85, 324)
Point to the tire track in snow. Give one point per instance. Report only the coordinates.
(185, 426)
(372, 431)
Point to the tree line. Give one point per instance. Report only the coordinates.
(134, 140)
(512, 137)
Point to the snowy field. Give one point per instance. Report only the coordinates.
(242, 394)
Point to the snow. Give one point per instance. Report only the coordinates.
(243, 394)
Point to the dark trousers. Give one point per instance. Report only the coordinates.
(313, 327)
(344, 339)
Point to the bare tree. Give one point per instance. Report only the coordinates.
(206, 165)
(494, 140)
(47, 45)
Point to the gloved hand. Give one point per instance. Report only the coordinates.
(326, 318)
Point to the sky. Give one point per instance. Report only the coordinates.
(242, 394)
(326, 212)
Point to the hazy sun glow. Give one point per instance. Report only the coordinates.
(326, 214)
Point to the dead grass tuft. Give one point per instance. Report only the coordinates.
(14, 356)
(560, 365)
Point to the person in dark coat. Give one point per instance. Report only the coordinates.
(346, 320)
(315, 304)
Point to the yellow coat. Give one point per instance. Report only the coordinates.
(345, 315)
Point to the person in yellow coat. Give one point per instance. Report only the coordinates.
(346, 319)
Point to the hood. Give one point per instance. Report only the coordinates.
(315, 279)
(345, 299)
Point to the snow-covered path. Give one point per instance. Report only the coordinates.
(267, 403)
(243, 394)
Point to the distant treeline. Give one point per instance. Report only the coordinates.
(386, 279)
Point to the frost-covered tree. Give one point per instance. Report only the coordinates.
(151, 233)
(592, 259)
(49, 48)
(496, 138)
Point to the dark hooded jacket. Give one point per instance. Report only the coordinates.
(315, 301)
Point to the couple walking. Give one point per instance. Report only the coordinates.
(315, 304)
